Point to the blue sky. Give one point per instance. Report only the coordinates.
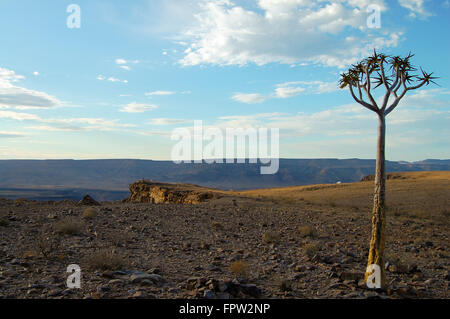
(117, 86)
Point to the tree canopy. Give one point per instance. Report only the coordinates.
(395, 73)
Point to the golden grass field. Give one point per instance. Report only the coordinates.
(414, 194)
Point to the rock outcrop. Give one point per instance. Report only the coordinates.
(160, 193)
(390, 176)
(88, 201)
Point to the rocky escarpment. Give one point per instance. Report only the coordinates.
(159, 193)
(390, 176)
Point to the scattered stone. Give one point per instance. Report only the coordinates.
(208, 294)
(55, 293)
(250, 290)
(115, 282)
(103, 289)
(300, 268)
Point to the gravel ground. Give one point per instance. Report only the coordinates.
(226, 248)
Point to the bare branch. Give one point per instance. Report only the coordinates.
(359, 89)
(363, 103)
(397, 77)
(383, 76)
(369, 95)
(418, 86)
(398, 98)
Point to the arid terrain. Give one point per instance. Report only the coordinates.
(295, 242)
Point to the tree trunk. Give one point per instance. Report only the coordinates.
(377, 242)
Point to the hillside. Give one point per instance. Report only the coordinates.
(109, 179)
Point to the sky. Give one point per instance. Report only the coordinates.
(118, 84)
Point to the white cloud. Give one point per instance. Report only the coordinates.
(416, 8)
(165, 134)
(349, 120)
(167, 121)
(121, 61)
(249, 98)
(9, 134)
(49, 128)
(287, 90)
(112, 79)
(10, 75)
(70, 124)
(18, 116)
(35, 73)
(160, 93)
(284, 31)
(13, 96)
(134, 107)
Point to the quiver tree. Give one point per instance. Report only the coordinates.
(396, 76)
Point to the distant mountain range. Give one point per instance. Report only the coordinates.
(109, 179)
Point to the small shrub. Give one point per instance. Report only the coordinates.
(239, 268)
(217, 226)
(4, 222)
(310, 250)
(285, 285)
(46, 245)
(69, 226)
(105, 260)
(307, 231)
(271, 237)
(120, 239)
(89, 213)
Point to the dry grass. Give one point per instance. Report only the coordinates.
(105, 259)
(120, 238)
(89, 213)
(307, 231)
(239, 268)
(310, 250)
(271, 237)
(217, 226)
(412, 194)
(69, 226)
